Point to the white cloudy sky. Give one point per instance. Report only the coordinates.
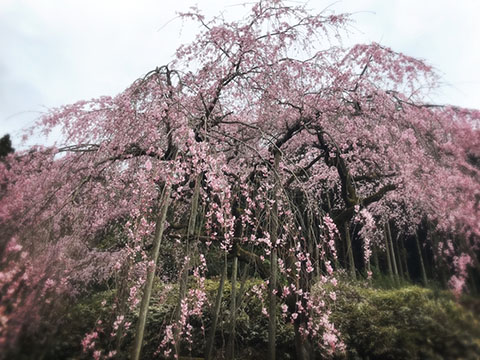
(54, 52)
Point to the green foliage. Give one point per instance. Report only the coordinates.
(385, 281)
(406, 323)
(62, 339)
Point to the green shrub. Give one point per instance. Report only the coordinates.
(406, 323)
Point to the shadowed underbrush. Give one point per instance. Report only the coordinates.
(410, 322)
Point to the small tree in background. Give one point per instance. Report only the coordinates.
(6, 146)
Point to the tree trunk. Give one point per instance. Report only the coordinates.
(387, 250)
(302, 345)
(369, 269)
(351, 260)
(401, 272)
(272, 308)
(403, 252)
(420, 259)
(392, 251)
(316, 252)
(216, 313)
(122, 296)
(233, 310)
(243, 281)
(472, 281)
(376, 263)
(184, 276)
(182, 290)
(147, 292)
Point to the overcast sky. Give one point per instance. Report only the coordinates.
(55, 52)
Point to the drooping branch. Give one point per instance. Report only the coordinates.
(347, 213)
(372, 177)
(302, 171)
(378, 195)
(291, 131)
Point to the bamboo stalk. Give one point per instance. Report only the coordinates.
(420, 258)
(147, 292)
(392, 251)
(233, 310)
(272, 308)
(216, 312)
(351, 260)
(184, 276)
(387, 249)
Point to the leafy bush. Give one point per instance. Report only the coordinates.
(406, 323)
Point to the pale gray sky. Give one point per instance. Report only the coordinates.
(55, 52)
